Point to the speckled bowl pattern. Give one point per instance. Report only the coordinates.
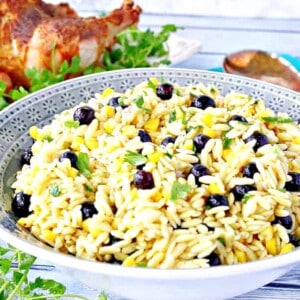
(134, 283)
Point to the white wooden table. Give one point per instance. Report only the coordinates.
(218, 35)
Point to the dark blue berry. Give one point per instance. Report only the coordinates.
(168, 140)
(214, 259)
(293, 240)
(294, 184)
(203, 102)
(115, 102)
(260, 139)
(143, 180)
(250, 170)
(20, 205)
(199, 171)
(239, 191)
(238, 118)
(286, 222)
(113, 240)
(216, 200)
(165, 91)
(26, 156)
(200, 141)
(88, 209)
(84, 115)
(144, 136)
(71, 156)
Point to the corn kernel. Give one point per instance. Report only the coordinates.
(214, 188)
(49, 235)
(107, 92)
(86, 225)
(34, 132)
(241, 256)
(296, 140)
(152, 125)
(228, 154)
(166, 194)
(130, 131)
(24, 222)
(157, 196)
(188, 145)
(129, 262)
(264, 113)
(115, 224)
(271, 246)
(179, 113)
(91, 143)
(118, 163)
(207, 119)
(154, 81)
(72, 172)
(267, 233)
(134, 194)
(95, 232)
(109, 111)
(155, 156)
(287, 248)
(210, 132)
(109, 126)
(77, 142)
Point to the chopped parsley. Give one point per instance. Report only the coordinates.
(88, 188)
(180, 191)
(83, 164)
(54, 190)
(139, 102)
(222, 241)
(47, 138)
(227, 142)
(246, 198)
(134, 158)
(72, 124)
(172, 116)
(151, 85)
(277, 120)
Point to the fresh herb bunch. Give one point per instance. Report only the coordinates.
(134, 49)
(14, 282)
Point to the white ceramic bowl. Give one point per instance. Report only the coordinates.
(134, 283)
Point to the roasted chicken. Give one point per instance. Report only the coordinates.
(34, 34)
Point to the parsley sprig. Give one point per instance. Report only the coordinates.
(277, 120)
(134, 158)
(180, 191)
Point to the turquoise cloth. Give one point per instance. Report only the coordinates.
(295, 61)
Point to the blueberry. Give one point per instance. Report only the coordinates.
(293, 240)
(26, 156)
(115, 102)
(165, 91)
(199, 171)
(294, 184)
(260, 139)
(144, 136)
(286, 222)
(143, 180)
(70, 156)
(238, 118)
(250, 170)
(20, 205)
(214, 259)
(168, 140)
(239, 191)
(200, 141)
(88, 209)
(113, 240)
(85, 115)
(216, 200)
(203, 102)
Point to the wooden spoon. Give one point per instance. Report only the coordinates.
(264, 66)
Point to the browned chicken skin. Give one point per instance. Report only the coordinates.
(30, 29)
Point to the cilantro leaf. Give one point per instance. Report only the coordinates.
(227, 142)
(245, 198)
(83, 164)
(134, 158)
(139, 102)
(277, 120)
(54, 190)
(179, 191)
(222, 241)
(72, 124)
(172, 116)
(151, 85)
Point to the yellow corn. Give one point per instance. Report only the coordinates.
(107, 92)
(152, 125)
(86, 225)
(188, 145)
(77, 142)
(296, 140)
(49, 235)
(115, 223)
(154, 81)
(72, 172)
(129, 262)
(287, 248)
(179, 113)
(264, 113)
(109, 126)
(166, 194)
(157, 196)
(207, 119)
(109, 111)
(267, 233)
(228, 154)
(95, 232)
(130, 131)
(271, 246)
(118, 163)
(155, 156)
(25, 222)
(210, 132)
(241, 256)
(214, 188)
(34, 132)
(91, 143)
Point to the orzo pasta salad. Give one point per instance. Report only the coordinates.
(164, 176)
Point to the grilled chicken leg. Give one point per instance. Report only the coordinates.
(31, 29)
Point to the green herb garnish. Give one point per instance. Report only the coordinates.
(281, 190)
(139, 102)
(177, 92)
(172, 116)
(151, 85)
(47, 138)
(179, 191)
(142, 264)
(72, 124)
(184, 119)
(83, 164)
(88, 188)
(245, 198)
(227, 142)
(134, 158)
(222, 241)
(54, 190)
(277, 120)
